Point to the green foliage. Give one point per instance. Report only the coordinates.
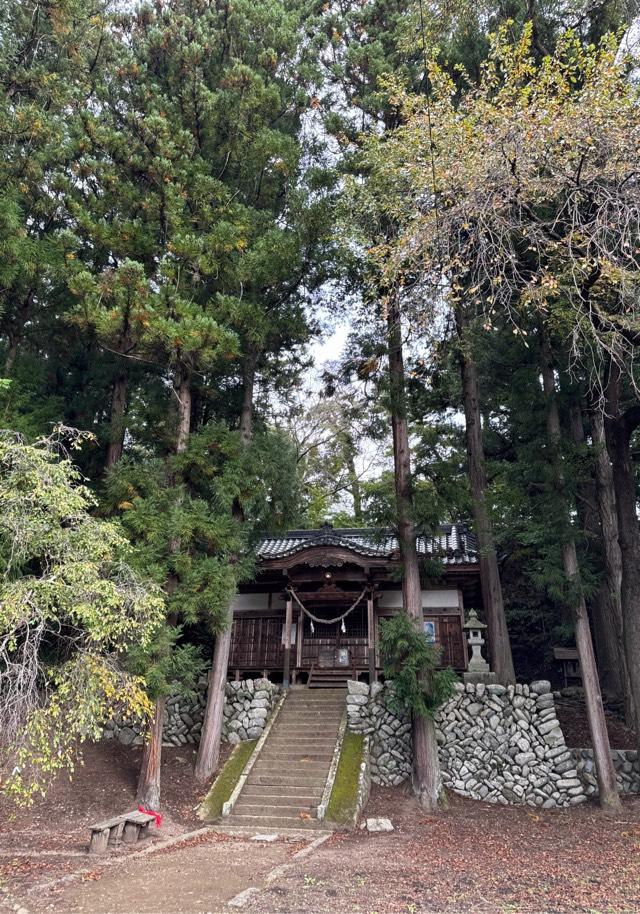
(486, 200)
(224, 784)
(70, 608)
(167, 666)
(344, 794)
(411, 662)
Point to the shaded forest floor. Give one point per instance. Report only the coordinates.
(473, 857)
(572, 715)
(50, 839)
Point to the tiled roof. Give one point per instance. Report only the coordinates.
(453, 544)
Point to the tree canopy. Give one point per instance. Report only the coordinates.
(191, 194)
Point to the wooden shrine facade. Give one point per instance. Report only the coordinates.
(319, 596)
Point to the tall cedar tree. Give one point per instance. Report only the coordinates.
(214, 236)
(511, 226)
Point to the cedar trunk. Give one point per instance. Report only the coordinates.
(427, 782)
(209, 748)
(354, 481)
(492, 598)
(596, 511)
(619, 429)
(11, 356)
(116, 423)
(607, 783)
(148, 792)
(610, 604)
(16, 332)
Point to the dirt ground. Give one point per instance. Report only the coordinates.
(49, 840)
(103, 786)
(473, 858)
(573, 721)
(201, 876)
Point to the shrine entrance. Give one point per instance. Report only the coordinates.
(337, 644)
(314, 610)
(332, 628)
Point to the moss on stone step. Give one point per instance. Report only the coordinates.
(224, 784)
(344, 795)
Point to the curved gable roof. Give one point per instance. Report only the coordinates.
(453, 544)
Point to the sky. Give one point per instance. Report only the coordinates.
(329, 348)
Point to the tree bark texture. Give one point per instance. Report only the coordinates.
(149, 779)
(148, 792)
(209, 748)
(116, 423)
(607, 783)
(619, 428)
(248, 389)
(612, 629)
(594, 511)
(492, 597)
(15, 332)
(183, 393)
(427, 781)
(354, 481)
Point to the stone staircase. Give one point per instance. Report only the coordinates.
(285, 786)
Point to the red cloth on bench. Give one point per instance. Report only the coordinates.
(150, 812)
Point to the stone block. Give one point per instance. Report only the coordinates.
(375, 689)
(540, 686)
(258, 714)
(547, 726)
(126, 736)
(496, 688)
(357, 688)
(567, 783)
(557, 752)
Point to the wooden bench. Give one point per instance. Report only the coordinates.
(128, 828)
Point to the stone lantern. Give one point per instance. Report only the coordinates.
(475, 639)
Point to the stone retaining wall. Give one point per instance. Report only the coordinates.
(625, 762)
(496, 743)
(248, 705)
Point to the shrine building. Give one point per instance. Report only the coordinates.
(312, 613)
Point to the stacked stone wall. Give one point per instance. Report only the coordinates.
(625, 761)
(498, 744)
(248, 706)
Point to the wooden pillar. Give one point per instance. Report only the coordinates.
(286, 676)
(371, 638)
(299, 640)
